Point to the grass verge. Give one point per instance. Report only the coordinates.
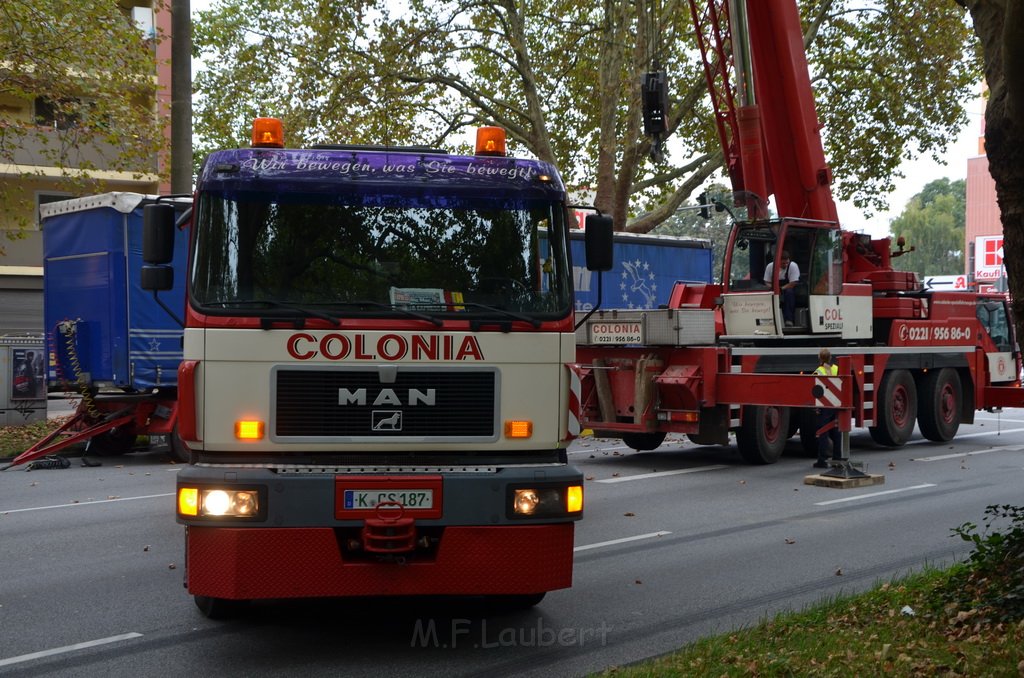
(898, 629)
(16, 439)
(967, 620)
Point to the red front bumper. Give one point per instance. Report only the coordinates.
(252, 563)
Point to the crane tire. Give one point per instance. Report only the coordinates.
(763, 433)
(895, 409)
(939, 412)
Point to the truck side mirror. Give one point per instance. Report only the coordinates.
(157, 278)
(598, 241)
(157, 247)
(158, 234)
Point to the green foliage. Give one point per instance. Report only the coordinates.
(94, 70)
(890, 79)
(690, 224)
(563, 78)
(934, 223)
(306, 63)
(992, 582)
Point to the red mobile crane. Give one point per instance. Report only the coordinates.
(721, 358)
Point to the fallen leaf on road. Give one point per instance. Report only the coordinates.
(172, 566)
(590, 477)
(839, 572)
(629, 514)
(790, 541)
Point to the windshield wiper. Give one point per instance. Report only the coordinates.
(391, 307)
(303, 311)
(494, 309)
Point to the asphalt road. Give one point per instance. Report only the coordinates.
(676, 544)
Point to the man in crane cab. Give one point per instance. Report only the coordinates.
(789, 276)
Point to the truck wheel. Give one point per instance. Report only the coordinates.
(708, 439)
(644, 441)
(938, 415)
(179, 450)
(808, 419)
(895, 409)
(514, 603)
(111, 443)
(219, 608)
(763, 433)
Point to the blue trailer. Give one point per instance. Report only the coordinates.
(646, 268)
(107, 339)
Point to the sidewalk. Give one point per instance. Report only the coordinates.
(61, 407)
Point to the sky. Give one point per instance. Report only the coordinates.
(917, 173)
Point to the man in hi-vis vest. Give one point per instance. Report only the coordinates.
(827, 416)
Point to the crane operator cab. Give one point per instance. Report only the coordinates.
(785, 277)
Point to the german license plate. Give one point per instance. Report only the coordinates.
(616, 332)
(369, 498)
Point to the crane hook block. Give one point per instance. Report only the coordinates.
(655, 103)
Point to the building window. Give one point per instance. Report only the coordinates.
(56, 114)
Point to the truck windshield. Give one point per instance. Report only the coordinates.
(256, 252)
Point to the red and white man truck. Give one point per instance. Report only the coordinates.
(375, 388)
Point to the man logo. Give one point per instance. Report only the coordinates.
(388, 396)
(387, 420)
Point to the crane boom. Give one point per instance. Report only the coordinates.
(770, 135)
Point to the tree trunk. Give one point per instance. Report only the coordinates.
(999, 25)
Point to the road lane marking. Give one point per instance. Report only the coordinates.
(658, 474)
(592, 450)
(961, 455)
(624, 540)
(667, 446)
(871, 495)
(924, 441)
(89, 502)
(68, 648)
(1002, 419)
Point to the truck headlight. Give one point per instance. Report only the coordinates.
(545, 501)
(211, 502)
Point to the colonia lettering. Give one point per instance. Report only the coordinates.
(338, 346)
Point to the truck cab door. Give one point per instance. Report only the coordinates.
(1001, 352)
(749, 306)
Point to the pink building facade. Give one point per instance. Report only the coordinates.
(984, 230)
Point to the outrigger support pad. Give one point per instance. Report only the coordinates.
(843, 469)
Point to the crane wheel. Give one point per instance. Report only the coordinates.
(763, 433)
(895, 409)
(940, 409)
(219, 608)
(644, 441)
